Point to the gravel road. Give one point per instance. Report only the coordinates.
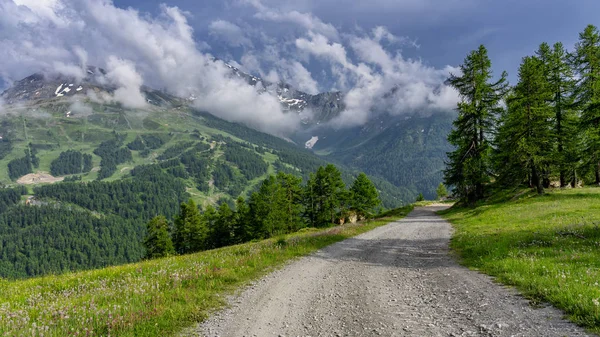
(397, 280)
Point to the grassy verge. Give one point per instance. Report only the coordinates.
(547, 246)
(153, 298)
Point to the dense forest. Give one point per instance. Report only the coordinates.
(281, 205)
(73, 226)
(77, 225)
(112, 154)
(24, 165)
(542, 132)
(71, 162)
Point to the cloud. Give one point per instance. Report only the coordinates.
(229, 32)
(123, 74)
(305, 20)
(162, 51)
(380, 81)
(80, 109)
(136, 49)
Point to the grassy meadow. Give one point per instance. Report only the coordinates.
(547, 246)
(154, 298)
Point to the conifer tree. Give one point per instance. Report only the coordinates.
(158, 242)
(325, 193)
(222, 228)
(241, 222)
(525, 132)
(190, 232)
(363, 195)
(441, 191)
(561, 84)
(469, 167)
(586, 60)
(290, 200)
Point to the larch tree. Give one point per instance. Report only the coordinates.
(363, 196)
(561, 84)
(526, 128)
(468, 168)
(586, 60)
(158, 242)
(190, 232)
(325, 193)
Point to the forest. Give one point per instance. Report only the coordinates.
(281, 205)
(542, 132)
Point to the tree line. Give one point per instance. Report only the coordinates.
(281, 205)
(543, 131)
(71, 162)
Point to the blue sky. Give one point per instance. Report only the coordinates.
(389, 56)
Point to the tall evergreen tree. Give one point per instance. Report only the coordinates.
(561, 84)
(158, 242)
(364, 197)
(469, 166)
(586, 60)
(291, 200)
(325, 193)
(191, 231)
(221, 232)
(525, 132)
(441, 191)
(241, 222)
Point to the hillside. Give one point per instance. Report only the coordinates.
(408, 150)
(135, 164)
(546, 246)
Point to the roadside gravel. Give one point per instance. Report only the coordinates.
(397, 280)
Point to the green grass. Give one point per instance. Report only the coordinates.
(153, 298)
(547, 246)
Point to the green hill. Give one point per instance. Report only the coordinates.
(122, 167)
(547, 246)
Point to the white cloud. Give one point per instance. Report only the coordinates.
(123, 74)
(306, 20)
(229, 32)
(379, 81)
(136, 49)
(161, 52)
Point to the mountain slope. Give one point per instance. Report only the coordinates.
(120, 168)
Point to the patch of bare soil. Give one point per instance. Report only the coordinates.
(39, 178)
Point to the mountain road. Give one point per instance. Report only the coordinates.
(397, 280)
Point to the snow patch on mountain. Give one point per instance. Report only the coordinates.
(311, 142)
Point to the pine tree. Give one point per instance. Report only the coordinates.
(561, 84)
(441, 191)
(241, 222)
(469, 166)
(586, 60)
(526, 132)
(190, 232)
(363, 195)
(221, 234)
(290, 200)
(158, 242)
(325, 193)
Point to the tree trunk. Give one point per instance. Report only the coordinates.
(598, 174)
(563, 178)
(537, 181)
(574, 179)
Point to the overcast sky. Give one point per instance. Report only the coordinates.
(445, 30)
(364, 48)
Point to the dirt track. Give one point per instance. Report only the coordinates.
(397, 280)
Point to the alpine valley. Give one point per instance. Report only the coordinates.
(97, 171)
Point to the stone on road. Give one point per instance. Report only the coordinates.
(397, 280)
